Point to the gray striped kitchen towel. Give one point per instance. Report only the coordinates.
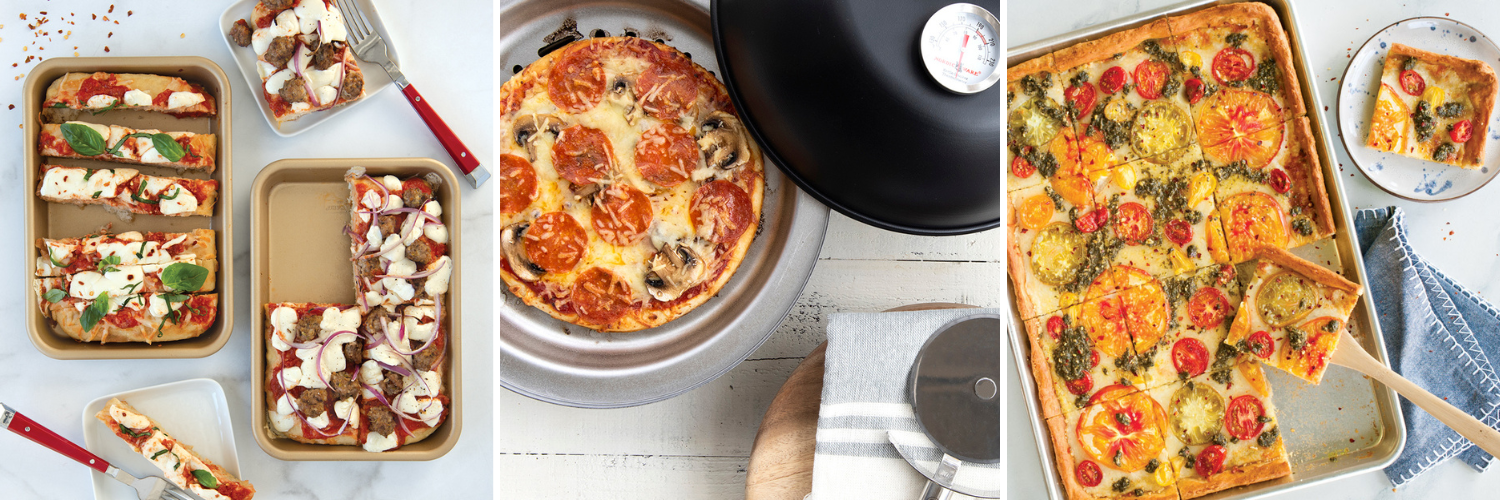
(865, 407)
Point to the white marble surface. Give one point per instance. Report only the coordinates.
(1460, 237)
(445, 48)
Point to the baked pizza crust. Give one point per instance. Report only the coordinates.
(1317, 273)
(1307, 181)
(64, 91)
(67, 320)
(1041, 370)
(1104, 48)
(1265, 24)
(1479, 79)
(1062, 454)
(1038, 64)
(1238, 475)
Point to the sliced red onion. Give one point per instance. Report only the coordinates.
(318, 363)
(379, 396)
(398, 369)
(389, 244)
(406, 226)
(422, 274)
(412, 372)
(419, 349)
(385, 194)
(364, 306)
(353, 235)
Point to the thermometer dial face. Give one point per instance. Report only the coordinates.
(961, 49)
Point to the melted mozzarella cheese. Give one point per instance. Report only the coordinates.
(135, 97)
(278, 80)
(65, 182)
(335, 320)
(183, 99)
(129, 419)
(437, 282)
(298, 107)
(376, 443)
(282, 321)
(320, 421)
(412, 318)
(101, 101)
(391, 182)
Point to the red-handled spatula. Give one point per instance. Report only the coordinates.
(149, 487)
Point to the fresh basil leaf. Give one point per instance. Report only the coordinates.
(97, 193)
(59, 105)
(159, 453)
(206, 479)
(172, 297)
(140, 191)
(175, 192)
(91, 172)
(129, 432)
(184, 276)
(95, 311)
(107, 108)
(167, 147)
(83, 139)
(55, 263)
(55, 295)
(107, 264)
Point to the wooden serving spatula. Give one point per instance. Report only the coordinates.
(1352, 355)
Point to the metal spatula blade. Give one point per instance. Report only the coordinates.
(954, 388)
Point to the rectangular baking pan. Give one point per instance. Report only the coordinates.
(1347, 425)
(54, 220)
(298, 209)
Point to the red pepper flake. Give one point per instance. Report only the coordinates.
(95, 16)
(23, 16)
(106, 48)
(111, 8)
(44, 12)
(12, 107)
(129, 13)
(110, 35)
(1450, 233)
(106, 18)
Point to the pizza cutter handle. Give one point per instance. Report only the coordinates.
(947, 469)
(467, 163)
(28, 428)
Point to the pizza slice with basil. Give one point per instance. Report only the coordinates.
(1203, 304)
(126, 191)
(1293, 313)
(114, 143)
(138, 317)
(100, 92)
(1240, 55)
(1114, 448)
(1282, 203)
(1035, 148)
(313, 355)
(1433, 107)
(66, 256)
(1223, 430)
(177, 461)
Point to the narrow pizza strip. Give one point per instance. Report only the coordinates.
(398, 240)
(1433, 107)
(182, 276)
(73, 255)
(176, 460)
(1293, 313)
(1203, 304)
(127, 191)
(1223, 429)
(114, 143)
(313, 355)
(98, 92)
(1116, 447)
(1244, 61)
(303, 57)
(403, 397)
(149, 317)
(1278, 202)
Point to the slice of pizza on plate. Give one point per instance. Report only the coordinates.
(312, 384)
(176, 460)
(114, 143)
(100, 92)
(303, 57)
(1433, 107)
(1115, 448)
(1293, 313)
(1282, 203)
(1223, 430)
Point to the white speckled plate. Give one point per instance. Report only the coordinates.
(194, 411)
(1402, 176)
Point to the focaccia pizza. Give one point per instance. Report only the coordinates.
(1433, 107)
(629, 189)
(302, 56)
(181, 150)
(127, 191)
(398, 240)
(1293, 313)
(99, 92)
(176, 460)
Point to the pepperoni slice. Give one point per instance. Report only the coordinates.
(582, 155)
(622, 215)
(1461, 131)
(1261, 344)
(1133, 223)
(1190, 356)
(517, 184)
(600, 297)
(722, 211)
(667, 91)
(576, 82)
(555, 241)
(1233, 64)
(1210, 461)
(1208, 308)
(1089, 474)
(1150, 77)
(666, 155)
(1112, 80)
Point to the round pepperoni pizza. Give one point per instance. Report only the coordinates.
(629, 189)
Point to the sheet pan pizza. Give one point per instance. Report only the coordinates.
(629, 189)
(1156, 176)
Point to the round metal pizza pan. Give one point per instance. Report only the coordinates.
(558, 362)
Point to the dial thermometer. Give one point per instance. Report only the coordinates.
(960, 49)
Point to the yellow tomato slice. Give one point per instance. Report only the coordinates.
(1256, 377)
(1057, 253)
(1160, 132)
(1074, 188)
(1138, 314)
(1236, 124)
(1310, 361)
(1035, 212)
(1117, 279)
(1190, 59)
(1389, 122)
(1285, 297)
(1251, 221)
(1123, 433)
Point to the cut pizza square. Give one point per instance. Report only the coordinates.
(1074, 359)
(1431, 105)
(398, 241)
(1242, 63)
(1222, 429)
(1036, 143)
(1293, 313)
(1281, 204)
(1158, 215)
(314, 354)
(100, 92)
(1116, 447)
(1047, 251)
(402, 376)
(1202, 305)
(303, 58)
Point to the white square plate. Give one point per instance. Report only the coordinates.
(193, 411)
(375, 78)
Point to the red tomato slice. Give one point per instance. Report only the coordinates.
(1021, 168)
(1208, 308)
(1193, 89)
(1092, 221)
(1055, 326)
(1093, 358)
(1133, 223)
(1413, 83)
(1081, 386)
(1082, 97)
(1179, 231)
(1226, 274)
(1279, 181)
(1242, 418)
(1233, 64)
(1461, 131)
(1210, 461)
(1150, 76)
(1089, 474)
(1261, 344)
(1190, 356)
(1112, 80)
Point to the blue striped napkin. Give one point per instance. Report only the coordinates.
(1440, 336)
(865, 406)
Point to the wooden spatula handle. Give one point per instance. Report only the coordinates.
(1352, 355)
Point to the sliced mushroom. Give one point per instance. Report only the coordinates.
(529, 127)
(622, 94)
(723, 141)
(513, 245)
(673, 270)
(588, 192)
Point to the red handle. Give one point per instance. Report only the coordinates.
(19, 424)
(460, 153)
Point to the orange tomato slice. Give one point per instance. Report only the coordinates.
(1310, 362)
(1035, 212)
(1251, 221)
(1123, 432)
(1388, 123)
(1138, 313)
(1236, 124)
(1071, 180)
(1256, 378)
